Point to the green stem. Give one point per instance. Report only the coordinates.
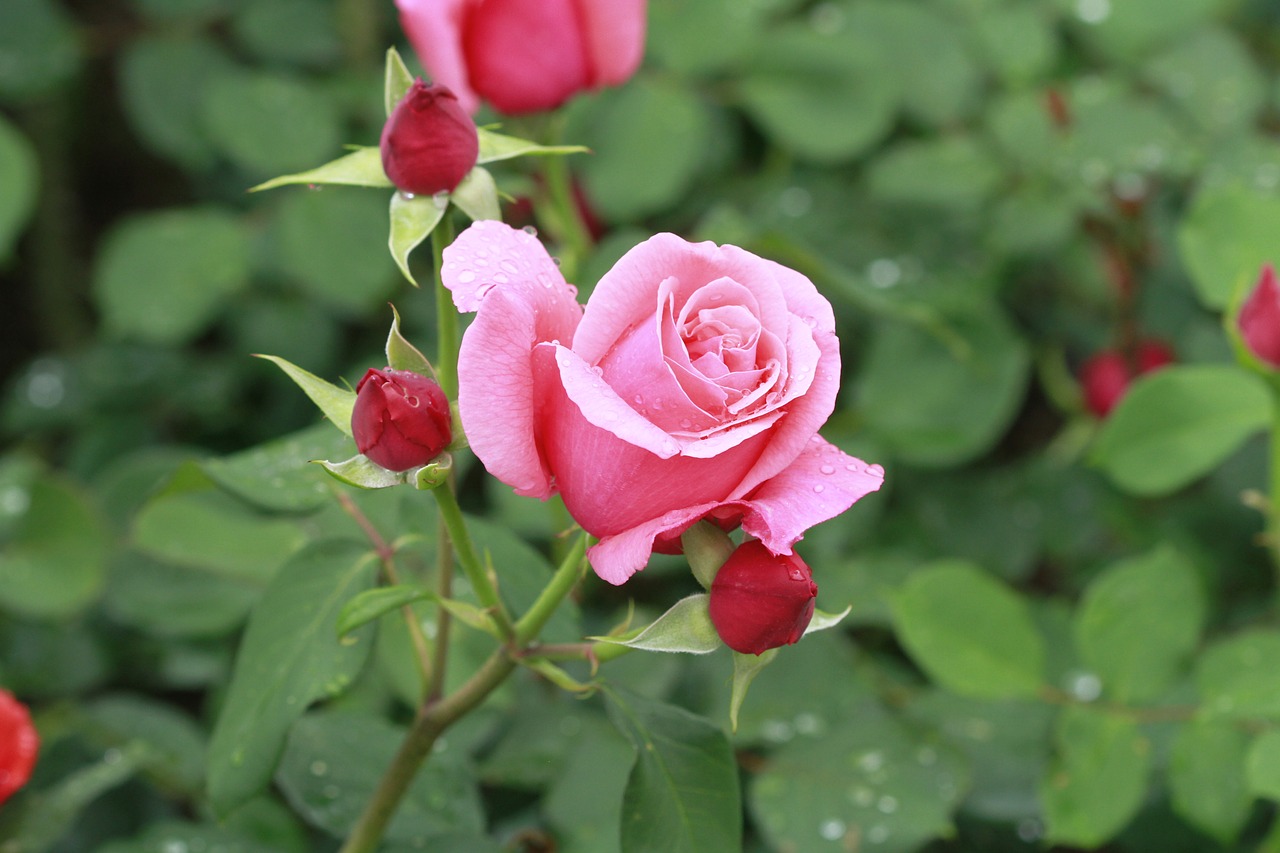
(1273, 497)
(484, 589)
(568, 225)
(417, 745)
(565, 578)
(444, 621)
(446, 365)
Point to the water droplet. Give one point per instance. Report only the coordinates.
(639, 399)
(407, 196)
(884, 273)
(440, 200)
(811, 322)
(1084, 686)
(500, 278)
(1093, 11)
(871, 761)
(832, 829)
(46, 385)
(14, 501)
(809, 724)
(887, 804)
(685, 423)
(778, 731)
(828, 469)
(509, 267)
(875, 470)
(819, 488)
(657, 404)
(853, 466)
(466, 277)
(319, 768)
(795, 201)
(530, 230)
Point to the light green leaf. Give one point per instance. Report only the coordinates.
(706, 547)
(335, 402)
(686, 627)
(955, 172)
(497, 146)
(1098, 781)
(402, 355)
(477, 195)
(289, 657)
(1139, 622)
(1178, 423)
(970, 633)
(822, 620)
(413, 218)
(745, 670)
(1262, 766)
(1207, 778)
(682, 795)
(361, 168)
(1226, 234)
(372, 603)
(363, 473)
(398, 80)
(1237, 677)
(19, 175)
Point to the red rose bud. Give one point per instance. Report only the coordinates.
(19, 745)
(760, 600)
(1259, 319)
(401, 419)
(429, 143)
(1106, 376)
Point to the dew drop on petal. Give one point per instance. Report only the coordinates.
(819, 488)
(466, 277)
(875, 470)
(530, 230)
(828, 469)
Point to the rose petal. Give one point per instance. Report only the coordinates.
(617, 557)
(614, 32)
(601, 406)
(491, 254)
(821, 483)
(434, 28)
(526, 57)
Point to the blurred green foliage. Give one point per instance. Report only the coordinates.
(1062, 631)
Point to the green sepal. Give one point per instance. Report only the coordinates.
(686, 627)
(556, 675)
(822, 620)
(471, 615)
(402, 355)
(335, 402)
(364, 473)
(412, 219)
(398, 80)
(499, 146)
(745, 670)
(706, 547)
(477, 195)
(372, 603)
(361, 168)
(433, 474)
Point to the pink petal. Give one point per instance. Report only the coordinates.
(520, 310)
(614, 32)
(434, 28)
(617, 557)
(526, 56)
(821, 483)
(1259, 318)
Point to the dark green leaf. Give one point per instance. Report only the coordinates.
(19, 175)
(1262, 765)
(267, 123)
(158, 76)
(1237, 676)
(39, 48)
(370, 604)
(277, 475)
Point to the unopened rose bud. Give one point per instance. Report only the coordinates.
(760, 600)
(429, 142)
(1106, 376)
(401, 419)
(19, 745)
(1260, 319)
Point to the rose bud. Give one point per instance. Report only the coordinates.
(401, 419)
(429, 142)
(1259, 319)
(761, 600)
(1105, 377)
(19, 745)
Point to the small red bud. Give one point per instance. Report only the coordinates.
(1259, 319)
(760, 600)
(429, 143)
(19, 745)
(1105, 377)
(401, 419)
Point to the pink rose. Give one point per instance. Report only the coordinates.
(525, 56)
(692, 385)
(1260, 319)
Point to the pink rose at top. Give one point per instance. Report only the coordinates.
(692, 385)
(525, 56)
(1260, 319)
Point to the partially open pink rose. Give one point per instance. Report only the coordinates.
(692, 385)
(525, 56)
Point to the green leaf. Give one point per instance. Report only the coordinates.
(334, 761)
(745, 670)
(363, 473)
(1212, 77)
(1098, 781)
(276, 476)
(941, 401)
(682, 795)
(412, 219)
(289, 657)
(53, 563)
(299, 32)
(1226, 234)
(361, 168)
(583, 802)
(706, 547)
(867, 785)
(497, 146)
(402, 355)
(373, 603)
(822, 620)
(477, 195)
(1179, 423)
(39, 48)
(1127, 30)
(397, 80)
(19, 175)
(164, 277)
(172, 601)
(686, 627)
(335, 402)
(164, 836)
(176, 743)
(970, 633)
(270, 123)
(1262, 766)
(1207, 779)
(1237, 677)
(1138, 624)
(955, 172)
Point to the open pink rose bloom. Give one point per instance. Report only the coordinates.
(692, 385)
